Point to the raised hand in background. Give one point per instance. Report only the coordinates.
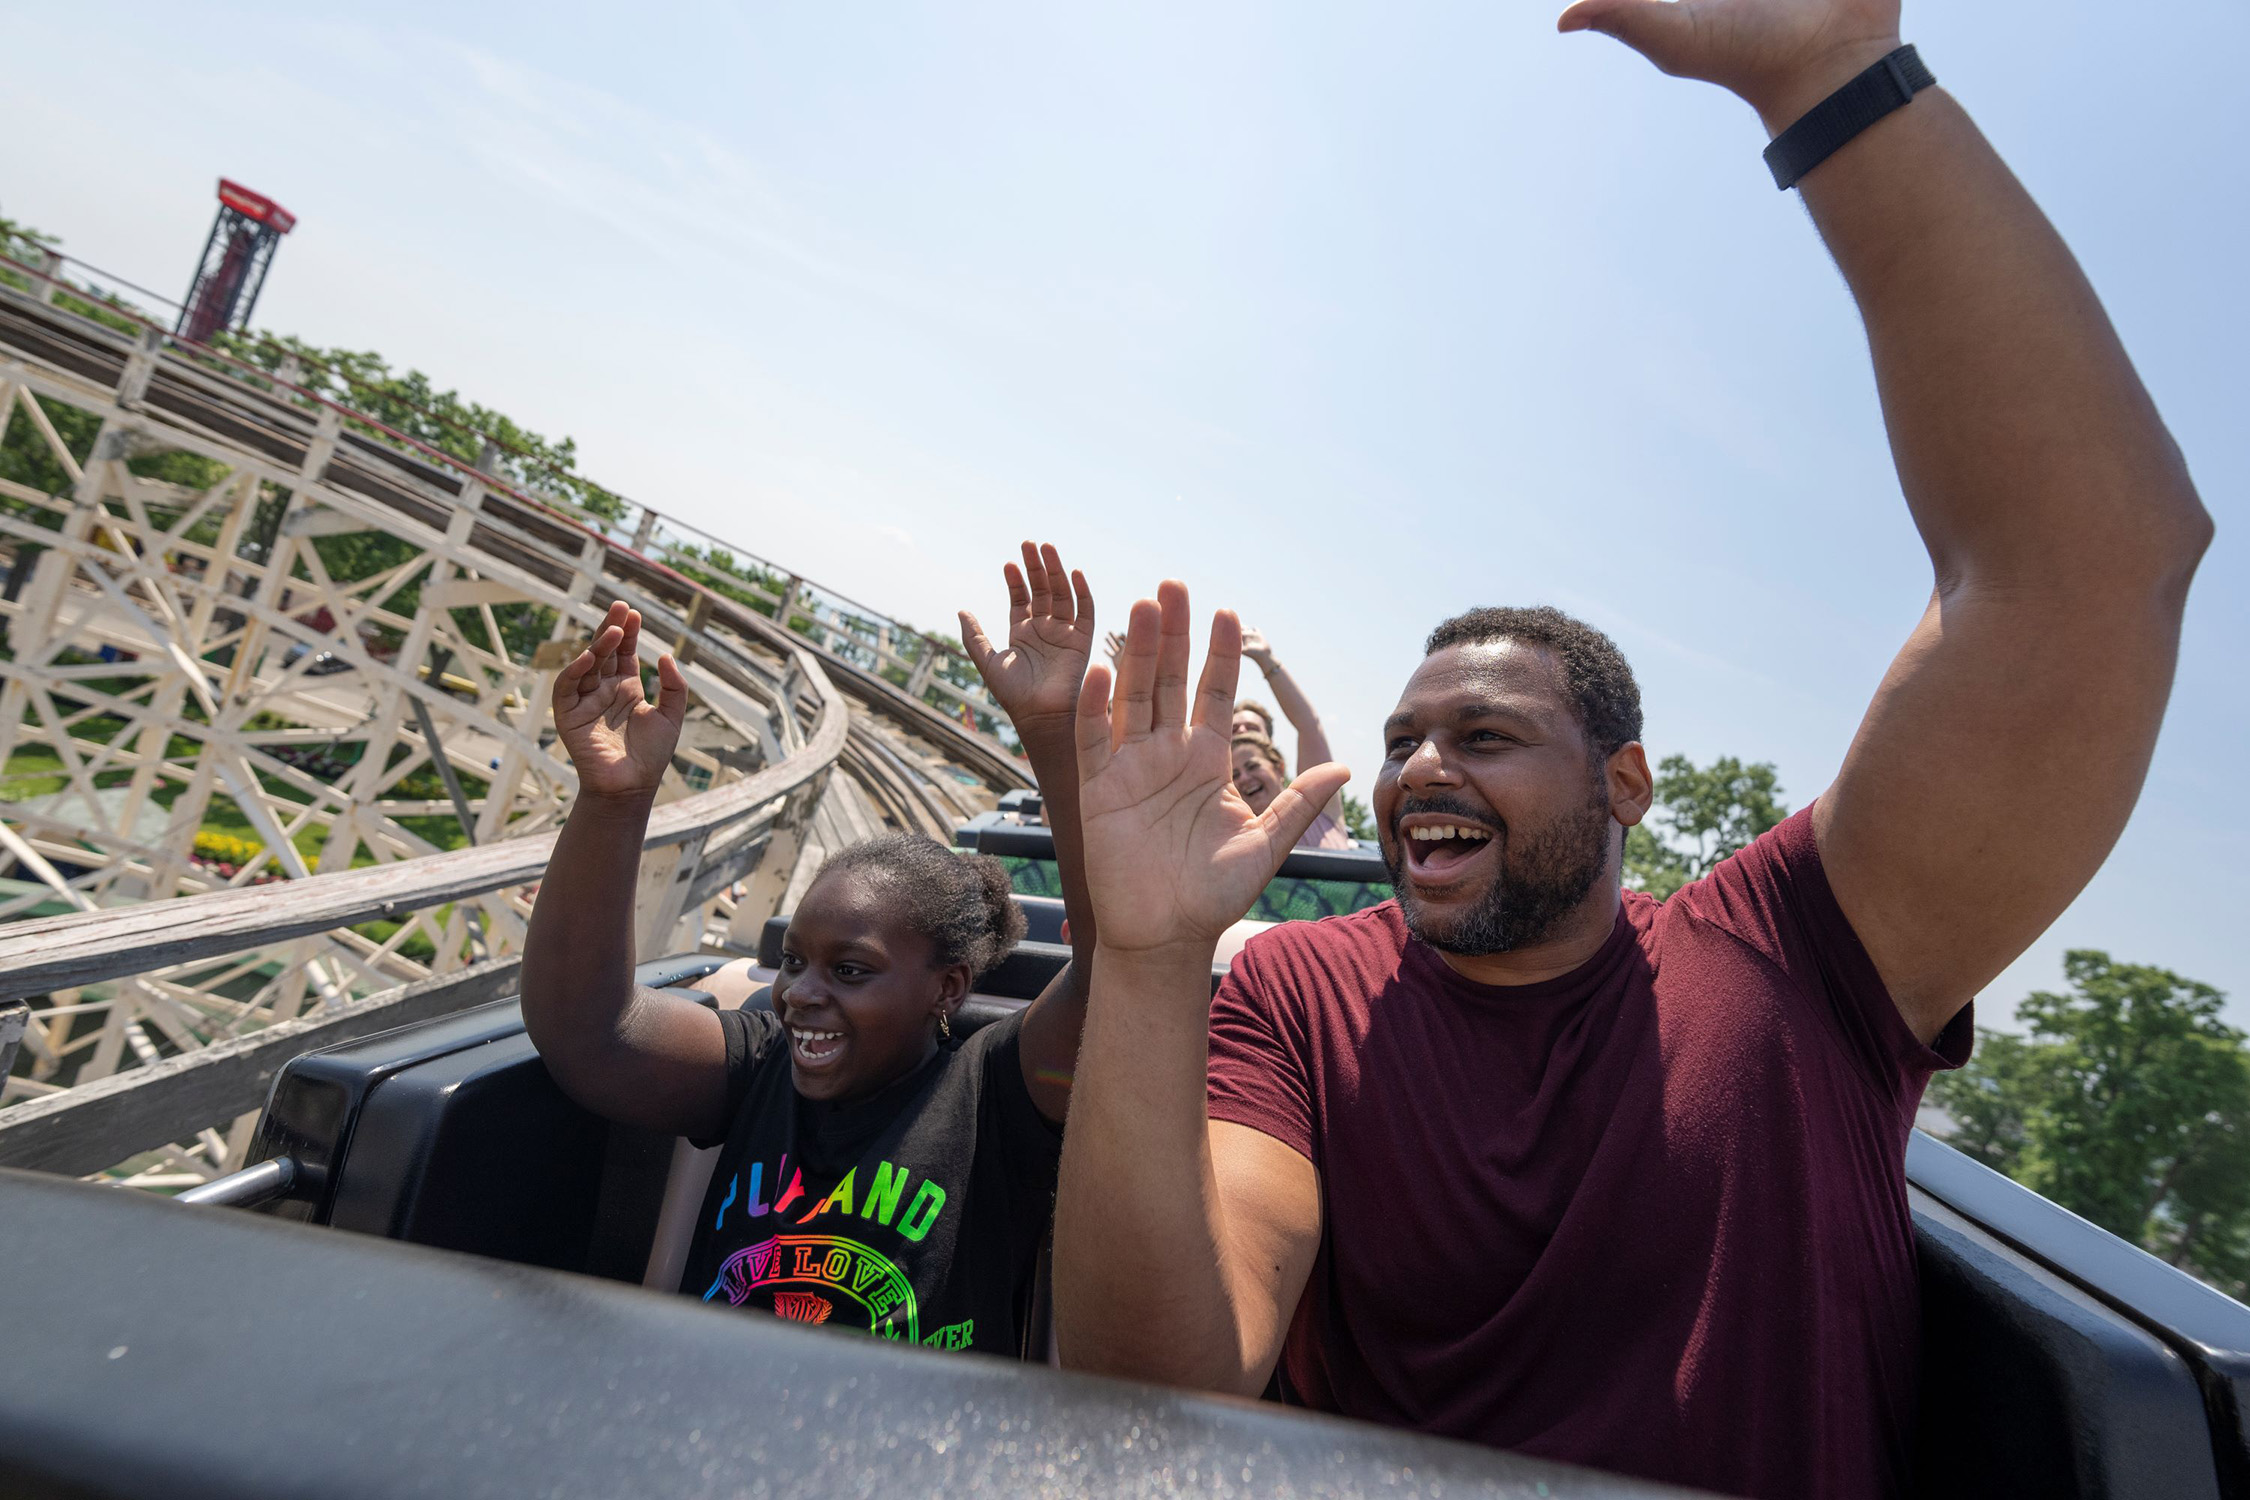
(619, 742)
(1036, 675)
(1782, 56)
(1254, 646)
(1174, 855)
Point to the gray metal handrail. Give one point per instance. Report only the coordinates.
(267, 1180)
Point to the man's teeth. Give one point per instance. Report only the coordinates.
(1447, 831)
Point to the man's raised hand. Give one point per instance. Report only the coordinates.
(1050, 636)
(1782, 56)
(619, 742)
(1174, 855)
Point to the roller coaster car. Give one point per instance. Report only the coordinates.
(2057, 1359)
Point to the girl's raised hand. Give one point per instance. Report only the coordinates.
(619, 742)
(1050, 636)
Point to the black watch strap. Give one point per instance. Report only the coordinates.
(1845, 113)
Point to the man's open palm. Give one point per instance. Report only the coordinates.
(1760, 49)
(1050, 637)
(1174, 855)
(619, 742)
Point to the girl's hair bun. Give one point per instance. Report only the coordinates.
(962, 903)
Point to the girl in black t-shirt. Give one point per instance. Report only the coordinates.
(877, 1172)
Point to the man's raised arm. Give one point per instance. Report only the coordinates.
(1181, 1247)
(2007, 744)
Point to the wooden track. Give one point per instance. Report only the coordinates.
(267, 660)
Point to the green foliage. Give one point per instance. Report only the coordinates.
(20, 240)
(1285, 898)
(26, 458)
(411, 403)
(23, 243)
(188, 470)
(1293, 899)
(349, 556)
(721, 572)
(2127, 1102)
(106, 308)
(1359, 820)
(1702, 815)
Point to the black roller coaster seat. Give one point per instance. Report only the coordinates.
(2057, 1361)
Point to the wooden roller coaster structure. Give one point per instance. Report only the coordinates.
(274, 770)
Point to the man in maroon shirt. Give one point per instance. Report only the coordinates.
(1530, 1160)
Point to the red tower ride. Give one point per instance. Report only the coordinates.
(235, 258)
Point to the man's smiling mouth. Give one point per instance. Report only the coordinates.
(1440, 851)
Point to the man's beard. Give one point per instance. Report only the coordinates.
(1544, 874)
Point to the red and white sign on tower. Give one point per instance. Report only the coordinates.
(235, 259)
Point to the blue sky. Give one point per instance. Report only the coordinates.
(1352, 317)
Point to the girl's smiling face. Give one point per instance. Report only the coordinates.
(859, 990)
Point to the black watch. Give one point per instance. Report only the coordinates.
(1851, 109)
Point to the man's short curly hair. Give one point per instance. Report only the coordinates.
(1594, 671)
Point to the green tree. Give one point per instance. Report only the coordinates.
(1359, 821)
(2127, 1101)
(1702, 815)
(411, 403)
(22, 242)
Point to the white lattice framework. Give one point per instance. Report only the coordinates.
(320, 662)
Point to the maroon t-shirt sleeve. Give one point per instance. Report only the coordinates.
(1774, 896)
(1260, 1074)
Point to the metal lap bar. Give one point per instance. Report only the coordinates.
(252, 1185)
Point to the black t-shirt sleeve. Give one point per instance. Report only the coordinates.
(750, 1035)
(1029, 1142)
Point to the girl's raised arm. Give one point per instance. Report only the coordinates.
(1036, 678)
(630, 1054)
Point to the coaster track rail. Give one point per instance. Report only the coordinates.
(173, 648)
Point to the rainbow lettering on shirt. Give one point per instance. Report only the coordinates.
(791, 1273)
(878, 1203)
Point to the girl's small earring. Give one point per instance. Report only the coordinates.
(944, 1028)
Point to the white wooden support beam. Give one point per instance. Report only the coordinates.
(326, 428)
(468, 593)
(50, 261)
(438, 758)
(160, 574)
(14, 1017)
(764, 886)
(589, 570)
(321, 521)
(46, 874)
(132, 386)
